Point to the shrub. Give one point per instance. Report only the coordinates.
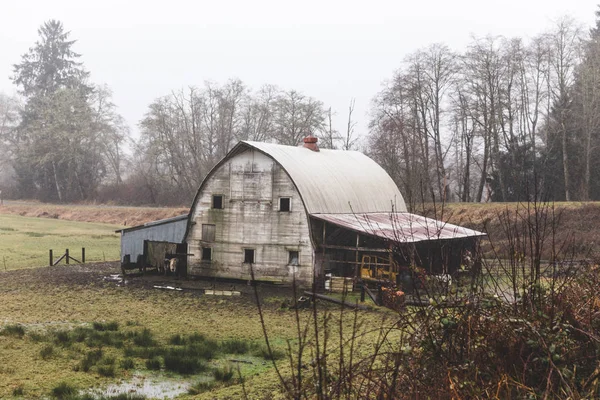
(202, 386)
(47, 351)
(263, 351)
(143, 352)
(143, 338)
(106, 326)
(107, 361)
(37, 337)
(18, 391)
(13, 330)
(177, 340)
(63, 391)
(90, 359)
(127, 363)
(182, 363)
(79, 334)
(203, 350)
(153, 364)
(196, 338)
(235, 346)
(62, 338)
(108, 338)
(224, 374)
(107, 370)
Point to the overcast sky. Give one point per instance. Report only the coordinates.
(332, 50)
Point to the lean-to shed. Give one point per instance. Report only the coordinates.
(148, 244)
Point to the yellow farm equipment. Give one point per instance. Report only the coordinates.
(378, 268)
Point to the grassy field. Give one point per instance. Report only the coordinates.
(44, 310)
(25, 241)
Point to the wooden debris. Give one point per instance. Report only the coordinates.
(336, 301)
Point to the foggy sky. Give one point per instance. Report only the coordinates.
(331, 50)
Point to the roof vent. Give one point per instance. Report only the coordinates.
(310, 142)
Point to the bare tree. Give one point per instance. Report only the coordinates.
(565, 41)
(350, 139)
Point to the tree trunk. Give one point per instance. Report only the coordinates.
(58, 192)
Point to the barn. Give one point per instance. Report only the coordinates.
(287, 213)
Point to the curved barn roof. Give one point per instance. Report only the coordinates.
(334, 181)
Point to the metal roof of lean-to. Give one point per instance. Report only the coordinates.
(399, 227)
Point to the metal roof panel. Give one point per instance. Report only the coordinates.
(336, 181)
(400, 227)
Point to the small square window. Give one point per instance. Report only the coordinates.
(285, 204)
(217, 201)
(294, 258)
(206, 254)
(208, 232)
(249, 256)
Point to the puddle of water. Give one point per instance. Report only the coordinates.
(151, 387)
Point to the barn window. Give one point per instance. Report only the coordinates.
(208, 232)
(206, 254)
(294, 257)
(217, 201)
(249, 256)
(285, 204)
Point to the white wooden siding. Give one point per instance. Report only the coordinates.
(251, 184)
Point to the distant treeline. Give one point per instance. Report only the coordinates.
(506, 120)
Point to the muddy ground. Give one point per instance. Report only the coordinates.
(108, 274)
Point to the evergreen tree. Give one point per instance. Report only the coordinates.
(58, 153)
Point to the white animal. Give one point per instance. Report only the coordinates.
(445, 279)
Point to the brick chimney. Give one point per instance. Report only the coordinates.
(310, 142)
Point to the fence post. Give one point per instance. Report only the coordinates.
(83, 255)
(51, 259)
(362, 292)
(67, 255)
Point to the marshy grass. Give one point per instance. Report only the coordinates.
(235, 346)
(90, 359)
(143, 352)
(47, 351)
(64, 391)
(105, 338)
(224, 373)
(196, 338)
(106, 326)
(263, 352)
(153, 364)
(63, 338)
(201, 387)
(18, 391)
(183, 364)
(13, 330)
(127, 364)
(145, 338)
(177, 340)
(107, 370)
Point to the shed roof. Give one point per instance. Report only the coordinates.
(334, 181)
(154, 223)
(399, 227)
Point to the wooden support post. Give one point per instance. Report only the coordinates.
(51, 259)
(362, 292)
(357, 268)
(83, 255)
(67, 256)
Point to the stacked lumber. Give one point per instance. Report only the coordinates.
(340, 284)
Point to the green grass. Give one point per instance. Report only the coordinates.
(60, 343)
(25, 241)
